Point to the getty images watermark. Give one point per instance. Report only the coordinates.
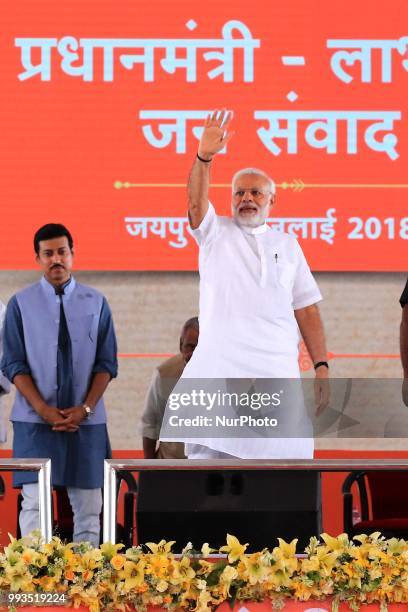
(283, 408)
(207, 401)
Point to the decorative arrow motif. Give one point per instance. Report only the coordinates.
(296, 185)
(126, 185)
(299, 185)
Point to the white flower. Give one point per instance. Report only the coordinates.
(201, 584)
(187, 548)
(162, 586)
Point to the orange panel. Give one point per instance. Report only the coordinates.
(75, 129)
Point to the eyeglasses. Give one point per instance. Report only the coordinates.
(255, 193)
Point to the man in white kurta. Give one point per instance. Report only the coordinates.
(256, 291)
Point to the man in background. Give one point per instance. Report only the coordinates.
(60, 352)
(163, 382)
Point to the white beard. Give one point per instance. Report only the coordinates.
(250, 221)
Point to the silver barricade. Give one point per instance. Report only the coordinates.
(43, 467)
(136, 465)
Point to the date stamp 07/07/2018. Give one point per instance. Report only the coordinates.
(17, 599)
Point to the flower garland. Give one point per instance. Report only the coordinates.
(367, 569)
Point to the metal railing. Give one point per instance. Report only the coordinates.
(43, 467)
(135, 465)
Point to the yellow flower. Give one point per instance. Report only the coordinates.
(133, 573)
(157, 565)
(12, 556)
(233, 548)
(109, 550)
(302, 591)
(93, 605)
(117, 561)
(202, 603)
(69, 555)
(17, 576)
(15, 566)
(181, 572)
(396, 547)
(161, 547)
(288, 549)
(256, 571)
(206, 567)
(285, 556)
(398, 595)
(47, 583)
(322, 562)
(310, 565)
(185, 569)
(375, 573)
(27, 555)
(376, 553)
(229, 574)
(91, 559)
(206, 550)
(278, 578)
(338, 544)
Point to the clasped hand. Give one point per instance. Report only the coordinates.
(67, 419)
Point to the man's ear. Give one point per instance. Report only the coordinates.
(181, 343)
(272, 202)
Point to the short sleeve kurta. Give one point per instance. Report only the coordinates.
(251, 282)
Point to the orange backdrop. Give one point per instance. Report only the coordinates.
(80, 146)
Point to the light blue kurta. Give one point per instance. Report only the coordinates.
(30, 347)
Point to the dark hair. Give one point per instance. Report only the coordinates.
(190, 323)
(50, 231)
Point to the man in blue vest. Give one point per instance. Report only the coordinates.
(60, 352)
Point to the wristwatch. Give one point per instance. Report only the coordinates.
(88, 410)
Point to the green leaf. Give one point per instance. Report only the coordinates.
(214, 577)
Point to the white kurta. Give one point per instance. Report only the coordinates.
(251, 281)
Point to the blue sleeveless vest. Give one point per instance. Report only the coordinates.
(40, 309)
